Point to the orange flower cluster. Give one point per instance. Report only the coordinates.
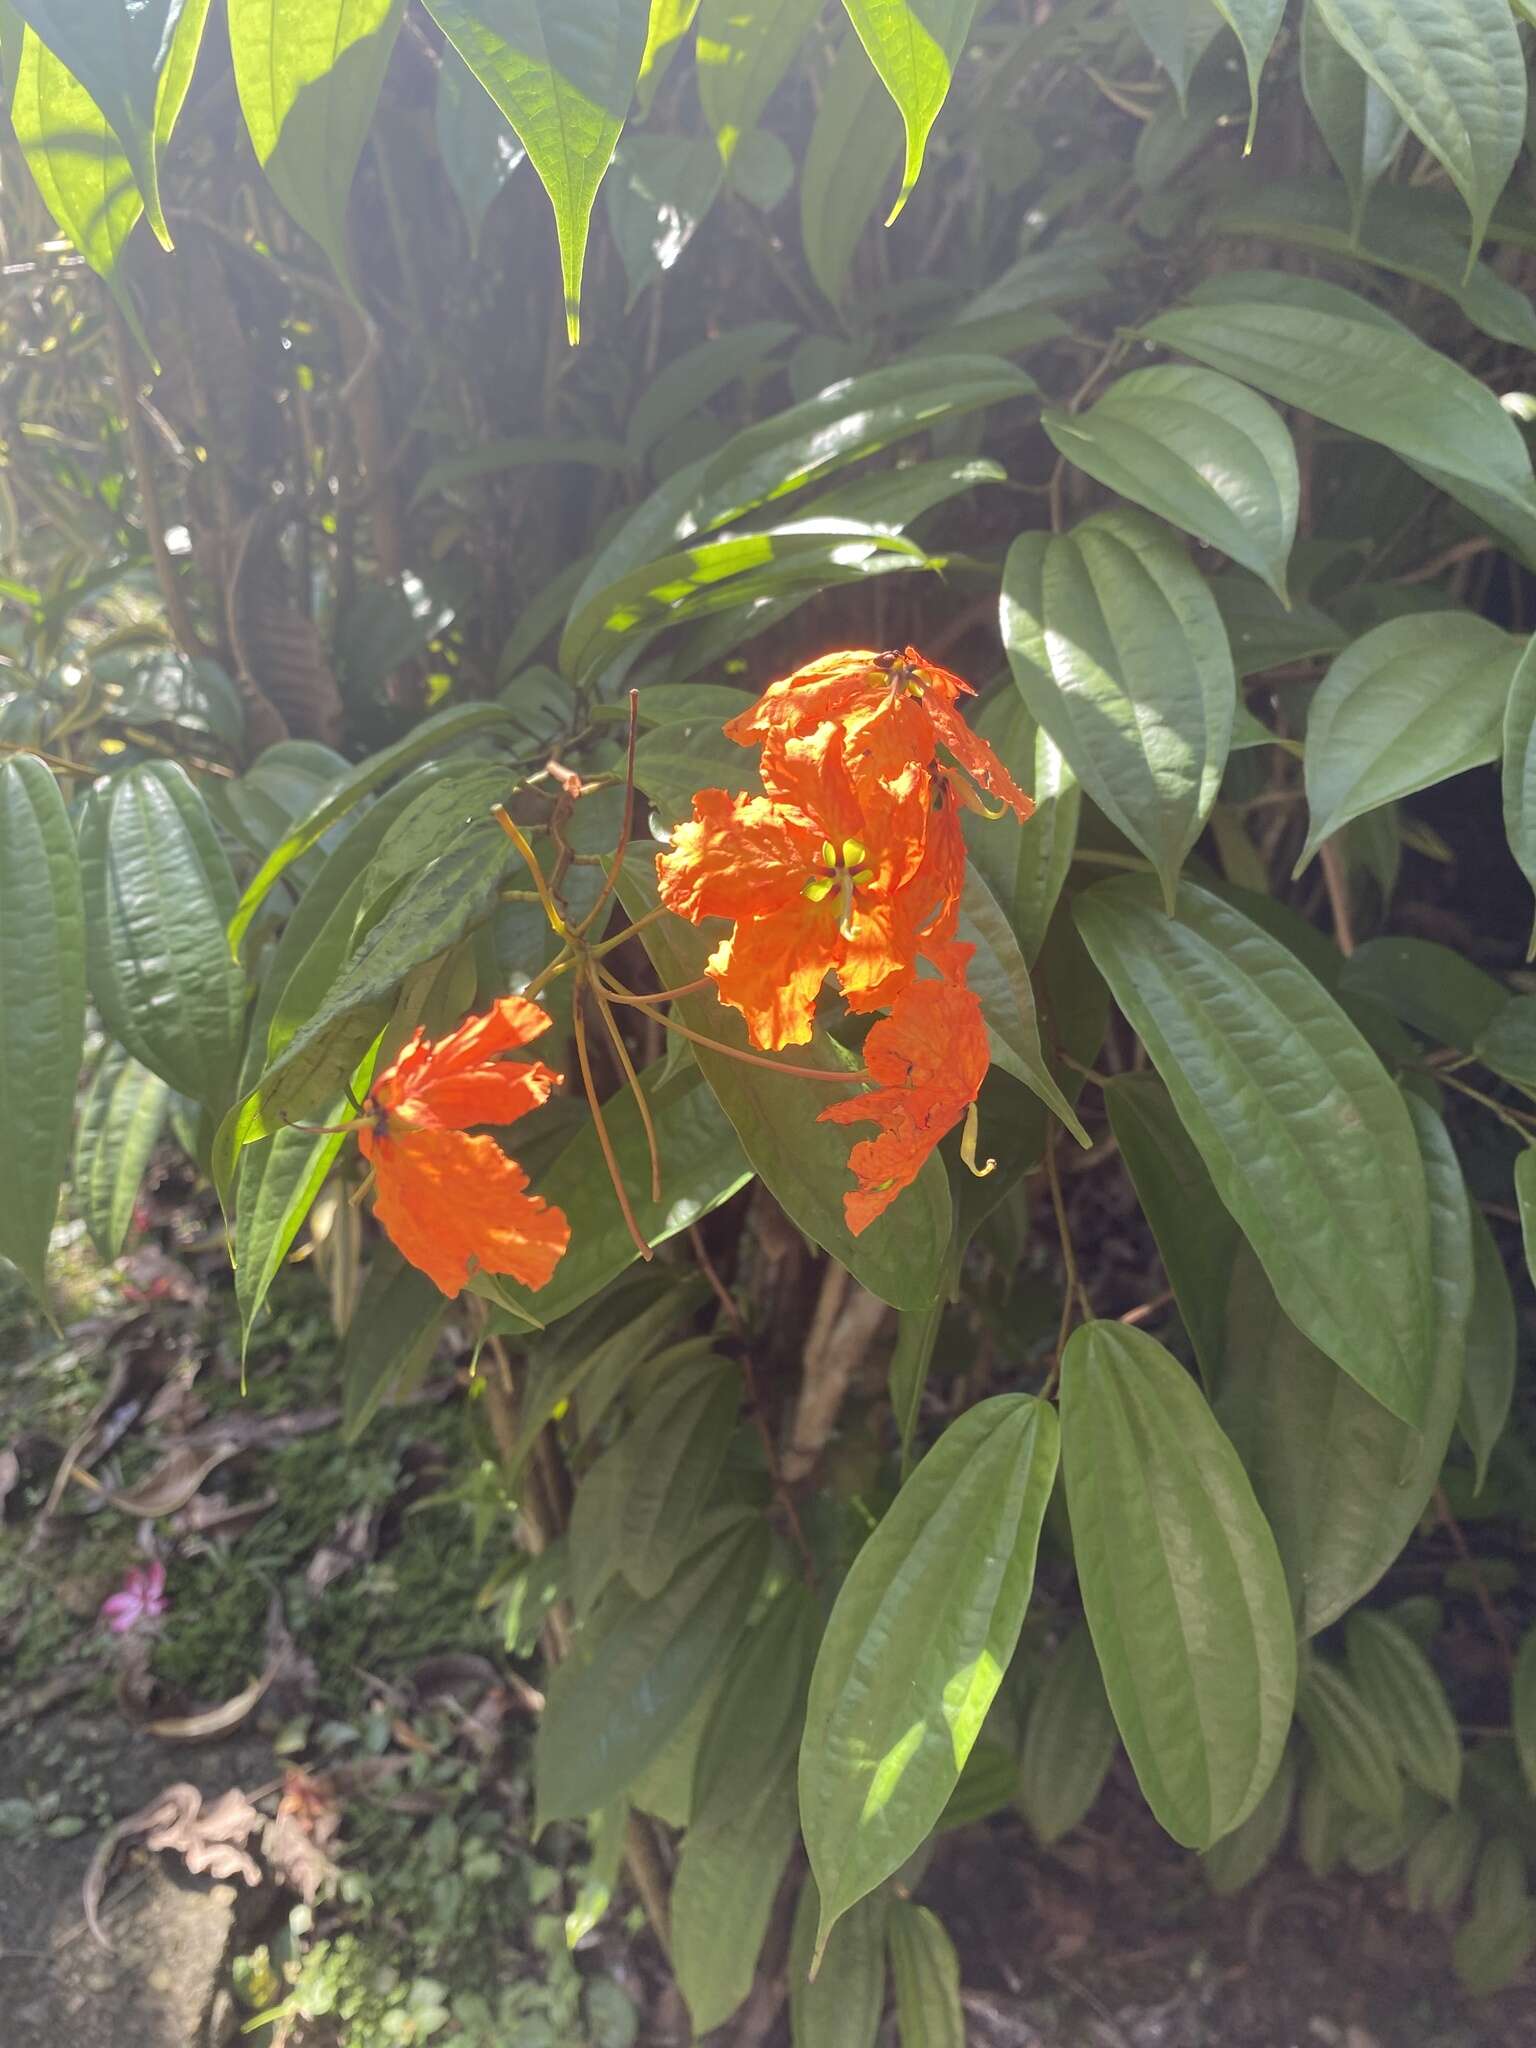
(852, 863)
(454, 1204)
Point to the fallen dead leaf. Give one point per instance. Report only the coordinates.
(220, 1720)
(295, 1842)
(350, 1544)
(175, 1479)
(215, 1514)
(206, 1838)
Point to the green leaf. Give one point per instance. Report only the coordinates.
(701, 1167)
(1178, 33)
(677, 1444)
(722, 1897)
(1307, 1141)
(1525, 1197)
(309, 73)
(744, 47)
(669, 22)
(1342, 1482)
(999, 979)
(477, 152)
(1495, 1942)
(120, 1123)
(1237, 1859)
(1489, 1383)
(275, 1189)
(926, 1974)
(1332, 354)
(1025, 866)
(1263, 633)
(1202, 452)
(803, 1163)
(755, 1723)
(1523, 1707)
(1119, 652)
(1455, 71)
(1408, 705)
(1255, 23)
(1360, 125)
(1069, 1740)
(1196, 1237)
(563, 72)
(432, 736)
(1181, 1581)
(918, 1641)
(135, 63)
(914, 45)
(42, 1008)
(1428, 986)
(658, 195)
(616, 1703)
(783, 453)
(840, 2006)
(1519, 771)
(390, 1339)
(615, 1335)
(692, 379)
(1439, 1870)
(81, 170)
(917, 1332)
(158, 894)
(1354, 1752)
(1507, 1043)
(1398, 1685)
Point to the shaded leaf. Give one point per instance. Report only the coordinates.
(478, 152)
(722, 1896)
(744, 48)
(1069, 1740)
(1354, 1751)
(1362, 128)
(755, 1723)
(840, 2006)
(1398, 1685)
(1237, 1859)
(926, 1974)
(1489, 1382)
(121, 1120)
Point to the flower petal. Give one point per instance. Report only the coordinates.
(738, 856)
(772, 968)
(453, 1204)
(461, 1079)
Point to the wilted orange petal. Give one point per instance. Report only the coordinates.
(739, 856)
(772, 968)
(453, 1204)
(459, 1080)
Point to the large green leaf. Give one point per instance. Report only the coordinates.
(744, 48)
(677, 1445)
(917, 1643)
(1181, 1581)
(616, 1703)
(1331, 353)
(754, 1725)
(309, 73)
(840, 2006)
(275, 1190)
(1119, 652)
(914, 45)
(1342, 1481)
(783, 453)
(1407, 705)
(563, 72)
(722, 1896)
(1196, 1236)
(1308, 1142)
(1069, 1740)
(1025, 866)
(120, 1123)
(926, 1974)
(853, 149)
(1519, 773)
(1455, 71)
(1362, 128)
(1198, 450)
(134, 58)
(1488, 1385)
(158, 895)
(998, 977)
(42, 1007)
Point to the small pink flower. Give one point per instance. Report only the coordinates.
(142, 1599)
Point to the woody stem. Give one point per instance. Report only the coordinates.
(610, 1158)
(636, 1090)
(615, 994)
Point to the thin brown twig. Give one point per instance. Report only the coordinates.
(605, 1143)
(628, 1065)
(730, 1052)
(1498, 1627)
(1336, 879)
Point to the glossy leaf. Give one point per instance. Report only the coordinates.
(1417, 700)
(618, 1701)
(1197, 1238)
(1354, 1752)
(392, 1334)
(1237, 1859)
(1198, 450)
(478, 152)
(1307, 1141)
(1519, 771)
(802, 1163)
(744, 48)
(678, 1444)
(1398, 1685)
(1181, 1581)
(1489, 1383)
(998, 977)
(840, 2006)
(121, 1120)
(914, 45)
(1343, 1482)
(158, 895)
(563, 72)
(722, 1897)
(309, 73)
(919, 1637)
(1455, 71)
(1119, 652)
(925, 1972)
(43, 942)
(275, 1189)
(1362, 128)
(1069, 1740)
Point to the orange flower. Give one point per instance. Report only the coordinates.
(898, 703)
(829, 871)
(454, 1204)
(930, 1057)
